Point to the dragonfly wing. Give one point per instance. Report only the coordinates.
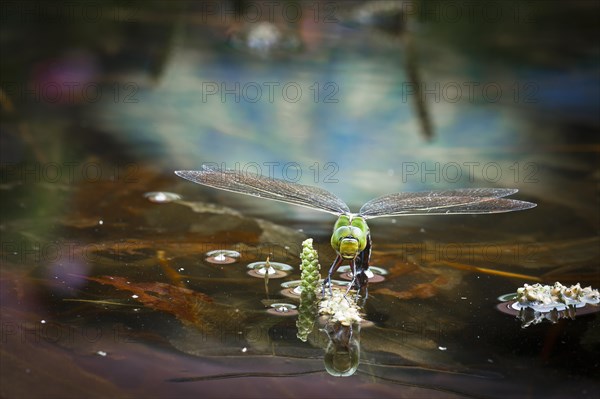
(265, 187)
(448, 202)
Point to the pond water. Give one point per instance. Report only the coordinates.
(107, 289)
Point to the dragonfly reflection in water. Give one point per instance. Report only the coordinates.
(351, 237)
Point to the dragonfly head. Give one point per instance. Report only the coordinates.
(349, 236)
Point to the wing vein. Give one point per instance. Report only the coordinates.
(269, 188)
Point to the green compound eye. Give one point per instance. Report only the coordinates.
(361, 230)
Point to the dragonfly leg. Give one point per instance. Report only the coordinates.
(336, 264)
(361, 267)
(353, 271)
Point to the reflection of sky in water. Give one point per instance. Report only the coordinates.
(368, 133)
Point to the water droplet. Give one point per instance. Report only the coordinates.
(291, 289)
(222, 256)
(508, 297)
(338, 284)
(374, 274)
(274, 269)
(161, 197)
(266, 270)
(282, 309)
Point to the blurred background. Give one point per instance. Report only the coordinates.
(101, 102)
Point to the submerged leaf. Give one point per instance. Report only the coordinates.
(184, 303)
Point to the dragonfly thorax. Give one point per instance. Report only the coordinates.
(349, 236)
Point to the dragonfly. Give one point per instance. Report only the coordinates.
(351, 238)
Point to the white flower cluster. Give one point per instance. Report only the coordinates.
(340, 308)
(546, 297)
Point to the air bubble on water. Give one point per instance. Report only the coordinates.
(161, 197)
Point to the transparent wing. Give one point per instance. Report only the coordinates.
(265, 187)
(449, 202)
